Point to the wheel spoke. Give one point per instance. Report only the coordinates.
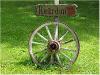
(39, 43)
(68, 49)
(42, 37)
(58, 59)
(33, 59)
(56, 32)
(44, 58)
(67, 42)
(51, 59)
(65, 56)
(39, 51)
(63, 36)
(49, 33)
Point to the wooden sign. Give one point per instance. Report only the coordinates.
(55, 10)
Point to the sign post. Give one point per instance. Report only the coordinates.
(56, 3)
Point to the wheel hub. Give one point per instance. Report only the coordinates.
(53, 46)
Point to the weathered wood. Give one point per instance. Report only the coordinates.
(55, 10)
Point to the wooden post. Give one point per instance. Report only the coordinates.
(56, 3)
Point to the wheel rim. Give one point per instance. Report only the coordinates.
(53, 46)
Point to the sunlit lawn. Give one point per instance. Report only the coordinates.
(18, 20)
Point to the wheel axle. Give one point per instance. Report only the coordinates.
(53, 46)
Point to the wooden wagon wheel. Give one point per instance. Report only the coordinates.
(61, 48)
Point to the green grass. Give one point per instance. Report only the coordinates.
(18, 20)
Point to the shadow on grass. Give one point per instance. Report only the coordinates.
(28, 62)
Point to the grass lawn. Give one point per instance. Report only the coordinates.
(18, 20)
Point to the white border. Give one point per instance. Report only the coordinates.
(49, 0)
(50, 74)
(99, 36)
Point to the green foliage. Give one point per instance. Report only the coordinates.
(18, 20)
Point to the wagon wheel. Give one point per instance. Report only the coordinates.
(54, 43)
